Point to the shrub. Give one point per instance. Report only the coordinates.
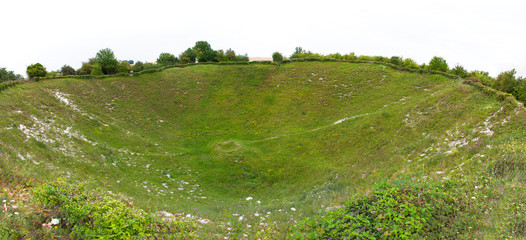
(298, 53)
(96, 70)
(365, 58)
(349, 57)
(241, 58)
(390, 213)
(459, 71)
(36, 70)
(438, 64)
(410, 63)
(167, 59)
(506, 81)
(277, 57)
(139, 66)
(67, 70)
(396, 60)
(90, 214)
(123, 67)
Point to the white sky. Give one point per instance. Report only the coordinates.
(483, 35)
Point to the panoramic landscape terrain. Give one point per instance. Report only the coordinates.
(307, 148)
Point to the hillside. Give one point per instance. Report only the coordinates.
(224, 141)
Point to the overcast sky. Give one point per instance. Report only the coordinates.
(482, 35)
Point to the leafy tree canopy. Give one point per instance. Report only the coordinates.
(36, 70)
(277, 57)
(438, 64)
(8, 75)
(167, 59)
(204, 52)
(67, 70)
(107, 61)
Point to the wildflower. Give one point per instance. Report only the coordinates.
(5, 207)
(54, 221)
(293, 209)
(240, 218)
(249, 198)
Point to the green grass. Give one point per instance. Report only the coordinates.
(311, 135)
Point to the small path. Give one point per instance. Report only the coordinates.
(322, 127)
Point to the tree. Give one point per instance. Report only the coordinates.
(96, 70)
(67, 70)
(139, 66)
(85, 69)
(107, 61)
(36, 70)
(298, 53)
(459, 71)
(410, 63)
(220, 56)
(204, 52)
(230, 54)
(124, 67)
(277, 57)
(506, 81)
(438, 64)
(8, 75)
(167, 59)
(188, 56)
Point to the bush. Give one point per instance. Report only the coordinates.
(36, 70)
(139, 66)
(410, 63)
(396, 61)
(459, 71)
(96, 70)
(277, 57)
(67, 70)
(390, 213)
(506, 81)
(123, 67)
(438, 64)
(167, 59)
(90, 214)
(349, 57)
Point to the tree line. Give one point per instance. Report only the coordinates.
(105, 63)
(506, 81)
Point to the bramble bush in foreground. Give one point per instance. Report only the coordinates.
(90, 214)
(391, 212)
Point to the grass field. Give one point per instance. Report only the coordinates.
(257, 148)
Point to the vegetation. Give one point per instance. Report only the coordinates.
(107, 61)
(256, 150)
(36, 70)
(67, 70)
(139, 66)
(167, 59)
(277, 57)
(204, 52)
(438, 64)
(8, 75)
